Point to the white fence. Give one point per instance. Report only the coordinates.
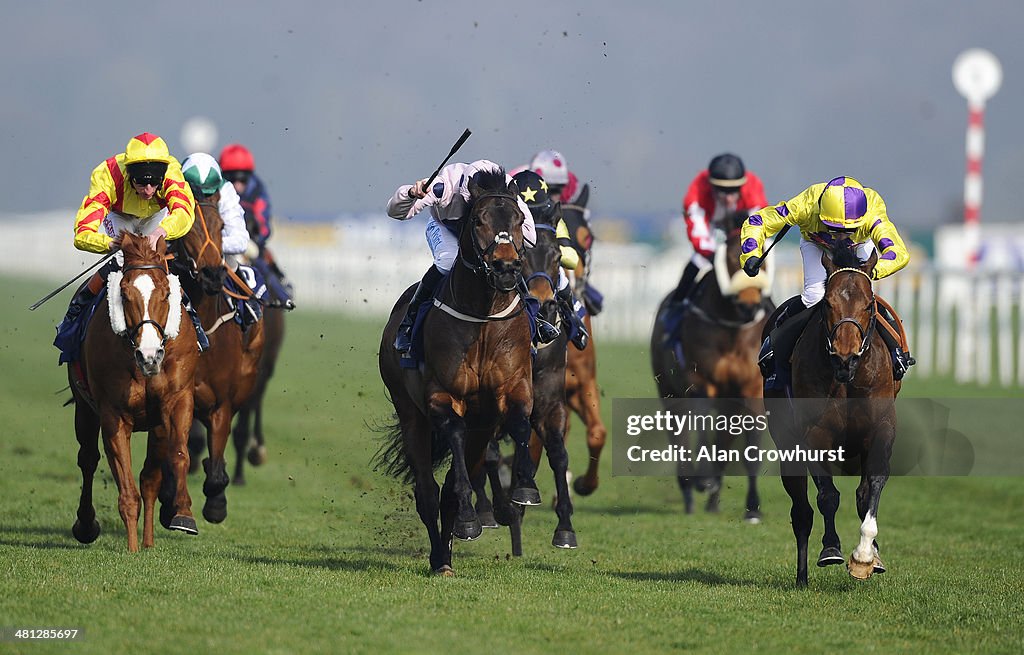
(960, 324)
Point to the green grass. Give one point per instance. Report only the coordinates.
(320, 553)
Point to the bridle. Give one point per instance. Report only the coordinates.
(482, 266)
(543, 275)
(866, 333)
(207, 241)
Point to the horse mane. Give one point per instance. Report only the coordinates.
(136, 248)
(490, 181)
(844, 255)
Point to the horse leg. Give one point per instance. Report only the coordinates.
(828, 505)
(215, 510)
(588, 408)
(87, 429)
(176, 461)
(196, 445)
(451, 426)
(449, 516)
(550, 431)
(240, 436)
(753, 511)
(524, 489)
(864, 561)
(117, 431)
(794, 479)
(150, 481)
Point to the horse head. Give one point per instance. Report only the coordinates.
(202, 246)
(491, 242)
(541, 265)
(849, 308)
(746, 293)
(144, 301)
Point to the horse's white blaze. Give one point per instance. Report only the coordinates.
(149, 341)
(868, 531)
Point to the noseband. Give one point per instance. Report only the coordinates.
(866, 333)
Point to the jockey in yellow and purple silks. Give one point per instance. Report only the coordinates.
(141, 190)
(826, 213)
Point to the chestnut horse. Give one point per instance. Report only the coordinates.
(139, 361)
(843, 363)
(581, 391)
(227, 372)
(718, 336)
(475, 380)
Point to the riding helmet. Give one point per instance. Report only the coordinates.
(727, 171)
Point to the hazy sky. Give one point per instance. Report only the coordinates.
(342, 102)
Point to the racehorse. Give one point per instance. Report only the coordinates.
(139, 367)
(718, 339)
(550, 414)
(476, 376)
(841, 360)
(227, 372)
(581, 392)
(248, 430)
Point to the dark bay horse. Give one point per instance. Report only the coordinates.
(227, 372)
(843, 395)
(581, 390)
(139, 361)
(476, 377)
(719, 336)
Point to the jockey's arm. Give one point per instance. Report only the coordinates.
(102, 193)
(698, 230)
(570, 258)
(180, 204)
(893, 254)
(767, 222)
(235, 236)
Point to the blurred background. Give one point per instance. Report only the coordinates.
(341, 103)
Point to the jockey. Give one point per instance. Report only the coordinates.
(203, 175)
(237, 166)
(826, 213)
(724, 187)
(534, 192)
(141, 190)
(448, 200)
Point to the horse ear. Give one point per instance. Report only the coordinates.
(513, 188)
(161, 246)
(474, 187)
(584, 196)
(826, 261)
(869, 265)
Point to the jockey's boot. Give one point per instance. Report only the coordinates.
(901, 363)
(546, 331)
(578, 331)
(773, 359)
(423, 293)
(671, 314)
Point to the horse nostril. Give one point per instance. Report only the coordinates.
(160, 353)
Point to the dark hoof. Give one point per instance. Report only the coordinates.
(487, 519)
(831, 555)
(86, 535)
(185, 524)
(528, 496)
(444, 571)
(467, 530)
(564, 539)
(752, 516)
(257, 456)
(580, 486)
(216, 509)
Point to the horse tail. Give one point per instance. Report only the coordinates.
(392, 458)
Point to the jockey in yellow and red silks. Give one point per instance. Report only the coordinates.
(142, 190)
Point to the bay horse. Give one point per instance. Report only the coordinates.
(718, 336)
(476, 376)
(227, 372)
(841, 361)
(581, 390)
(138, 361)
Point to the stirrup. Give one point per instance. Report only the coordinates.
(766, 358)
(546, 332)
(582, 337)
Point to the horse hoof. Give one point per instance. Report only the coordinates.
(487, 519)
(860, 570)
(878, 566)
(467, 530)
(830, 555)
(86, 535)
(445, 571)
(257, 456)
(752, 516)
(564, 539)
(185, 524)
(215, 510)
(528, 496)
(580, 486)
